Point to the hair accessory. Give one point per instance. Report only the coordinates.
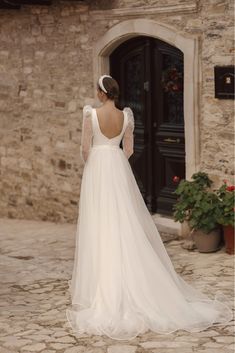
(101, 82)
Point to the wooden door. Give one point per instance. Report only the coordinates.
(150, 75)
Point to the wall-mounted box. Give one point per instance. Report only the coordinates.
(224, 82)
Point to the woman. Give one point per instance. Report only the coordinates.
(123, 281)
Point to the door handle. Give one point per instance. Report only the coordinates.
(168, 139)
(146, 86)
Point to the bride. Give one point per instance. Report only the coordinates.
(123, 281)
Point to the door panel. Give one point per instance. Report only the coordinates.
(128, 67)
(150, 76)
(168, 123)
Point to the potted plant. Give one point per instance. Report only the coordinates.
(200, 207)
(226, 196)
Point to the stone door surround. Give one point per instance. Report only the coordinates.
(188, 45)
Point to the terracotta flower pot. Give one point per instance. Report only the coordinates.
(207, 242)
(228, 232)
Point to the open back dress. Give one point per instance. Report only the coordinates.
(123, 281)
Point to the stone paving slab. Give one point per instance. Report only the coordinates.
(36, 260)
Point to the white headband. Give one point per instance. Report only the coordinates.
(101, 82)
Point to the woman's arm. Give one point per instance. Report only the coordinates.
(87, 133)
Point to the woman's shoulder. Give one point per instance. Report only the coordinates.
(129, 113)
(107, 111)
(128, 109)
(87, 106)
(87, 110)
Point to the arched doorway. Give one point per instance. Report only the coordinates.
(151, 75)
(189, 46)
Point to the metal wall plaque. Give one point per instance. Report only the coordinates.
(224, 82)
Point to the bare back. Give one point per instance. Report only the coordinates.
(110, 121)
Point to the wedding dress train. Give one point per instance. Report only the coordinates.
(123, 281)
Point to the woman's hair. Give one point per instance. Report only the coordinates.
(111, 86)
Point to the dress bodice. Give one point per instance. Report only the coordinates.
(92, 135)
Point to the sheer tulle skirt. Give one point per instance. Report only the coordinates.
(123, 281)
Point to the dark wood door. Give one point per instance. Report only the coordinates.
(150, 75)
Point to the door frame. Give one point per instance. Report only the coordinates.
(189, 45)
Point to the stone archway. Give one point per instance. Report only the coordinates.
(188, 45)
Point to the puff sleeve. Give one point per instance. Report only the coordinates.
(87, 132)
(128, 137)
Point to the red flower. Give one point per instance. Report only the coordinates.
(230, 188)
(175, 179)
(225, 181)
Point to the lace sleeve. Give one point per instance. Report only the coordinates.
(87, 132)
(128, 138)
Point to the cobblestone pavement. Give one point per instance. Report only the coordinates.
(36, 260)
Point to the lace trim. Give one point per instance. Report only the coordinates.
(128, 137)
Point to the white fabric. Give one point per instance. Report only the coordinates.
(90, 124)
(123, 281)
(87, 133)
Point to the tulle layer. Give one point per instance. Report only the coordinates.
(123, 281)
(95, 320)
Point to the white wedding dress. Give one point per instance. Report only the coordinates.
(123, 281)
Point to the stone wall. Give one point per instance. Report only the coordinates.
(46, 77)
(217, 116)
